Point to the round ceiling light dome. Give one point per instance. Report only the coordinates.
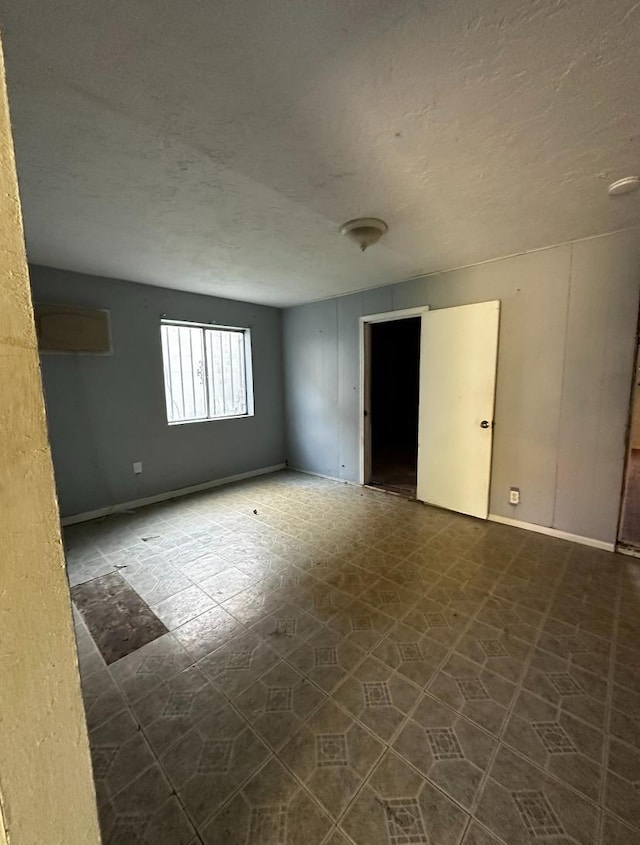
(364, 231)
(624, 186)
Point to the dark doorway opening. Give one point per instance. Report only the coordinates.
(629, 530)
(395, 387)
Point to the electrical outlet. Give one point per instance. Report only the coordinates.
(514, 495)
(137, 468)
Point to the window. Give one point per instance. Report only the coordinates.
(207, 372)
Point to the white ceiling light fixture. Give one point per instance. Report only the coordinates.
(364, 231)
(624, 186)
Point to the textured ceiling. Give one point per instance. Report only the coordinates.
(218, 146)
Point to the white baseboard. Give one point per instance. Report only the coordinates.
(553, 532)
(322, 475)
(170, 494)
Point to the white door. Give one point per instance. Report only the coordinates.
(458, 355)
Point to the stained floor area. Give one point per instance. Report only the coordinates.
(344, 666)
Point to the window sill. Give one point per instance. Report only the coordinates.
(210, 419)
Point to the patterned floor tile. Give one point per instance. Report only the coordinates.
(213, 760)
(174, 707)
(377, 696)
(223, 585)
(623, 782)
(519, 590)
(397, 545)
(440, 623)
(286, 628)
(626, 675)
(288, 584)
(89, 658)
(458, 596)
(377, 562)
(477, 693)
(182, 607)
(361, 624)
(541, 571)
(208, 631)
(597, 620)
(140, 564)
(332, 754)
(277, 704)
(616, 832)
(447, 749)
(492, 648)
(272, 808)
(571, 642)
(399, 807)
(155, 582)
(326, 658)
(102, 698)
(205, 565)
(252, 604)
(261, 562)
(410, 653)
(321, 565)
(628, 630)
(238, 663)
(469, 572)
(570, 687)
(389, 598)
(511, 618)
(80, 573)
(322, 600)
(563, 745)
(522, 804)
(493, 555)
(350, 579)
(625, 715)
(477, 835)
(140, 672)
(338, 838)
(413, 575)
(146, 813)
(599, 591)
(166, 539)
(119, 753)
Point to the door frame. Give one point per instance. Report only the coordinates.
(364, 408)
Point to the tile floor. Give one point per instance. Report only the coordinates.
(344, 666)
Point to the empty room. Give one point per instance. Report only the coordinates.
(319, 428)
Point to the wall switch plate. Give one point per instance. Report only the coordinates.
(137, 467)
(514, 495)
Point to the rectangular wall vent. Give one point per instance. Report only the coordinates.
(72, 329)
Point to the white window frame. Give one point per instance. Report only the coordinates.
(248, 365)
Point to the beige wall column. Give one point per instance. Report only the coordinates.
(46, 787)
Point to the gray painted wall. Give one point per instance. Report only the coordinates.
(106, 412)
(565, 366)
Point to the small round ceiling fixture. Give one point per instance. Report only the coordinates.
(364, 231)
(624, 186)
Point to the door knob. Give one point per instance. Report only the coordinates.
(485, 424)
